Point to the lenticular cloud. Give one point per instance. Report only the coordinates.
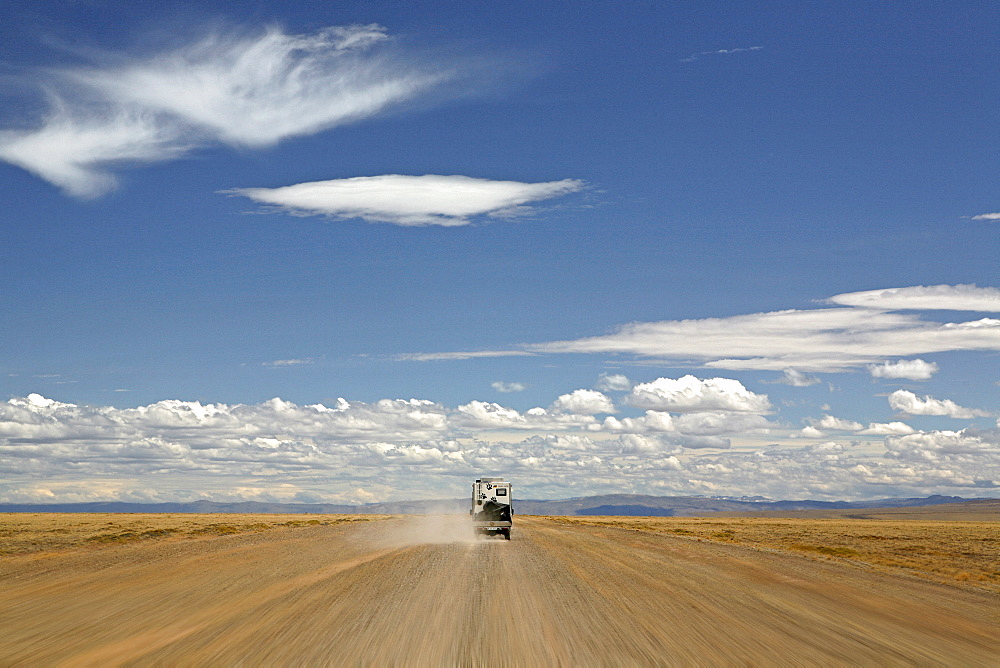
(408, 200)
(245, 91)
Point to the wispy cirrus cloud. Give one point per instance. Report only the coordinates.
(822, 340)
(409, 200)
(436, 357)
(501, 386)
(795, 378)
(284, 364)
(987, 216)
(865, 331)
(719, 52)
(613, 382)
(236, 89)
(925, 298)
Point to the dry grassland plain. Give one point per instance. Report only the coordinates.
(45, 534)
(180, 589)
(960, 553)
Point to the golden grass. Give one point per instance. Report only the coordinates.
(978, 510)
(945, 551)
(24, 533)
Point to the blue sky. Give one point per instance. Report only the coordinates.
(715, 249)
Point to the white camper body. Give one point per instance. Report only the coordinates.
(492, 511)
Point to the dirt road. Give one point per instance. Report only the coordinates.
(413, 591)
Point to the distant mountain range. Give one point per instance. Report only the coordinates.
(607, 504)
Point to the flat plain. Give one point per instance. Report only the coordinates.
(79, 589)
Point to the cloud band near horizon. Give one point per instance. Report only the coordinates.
(176, 450)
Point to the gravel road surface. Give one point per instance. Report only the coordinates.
(418, 591)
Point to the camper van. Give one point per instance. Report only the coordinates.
(492, 512)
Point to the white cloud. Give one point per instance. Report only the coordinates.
(908, 402)
(909, 369)
(692, 395)
(937, 445)
(797, 378)
(987, 216)
(408, 200)
(492, 414)
(487, 415)
(714, 423)
(719, 52)
(277, 364)
(240, 90)
(810, 431)
(824, 340)
(613, 382)
(436, 357)
(583, 402)
(651, 422)
(500, 386)
(256, 91)
(887, 429)
(637, 444)
(395, 449)
(925, 298)
(837, 424)
(74, 152)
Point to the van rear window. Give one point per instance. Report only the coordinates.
(501, 491)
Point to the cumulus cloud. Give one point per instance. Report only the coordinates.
(489, 415)
(652, 421)
(638, 444)
(241, 90)
(206, 426)
(500, 386)
(357, 452)
(887, 429)
(408, 200)
(693, 395)
(938, 445)
(909, 369)
(837, 424)
(925, 298)
(613, 382)
(909, 403)
(583, 402)
(715, 423)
